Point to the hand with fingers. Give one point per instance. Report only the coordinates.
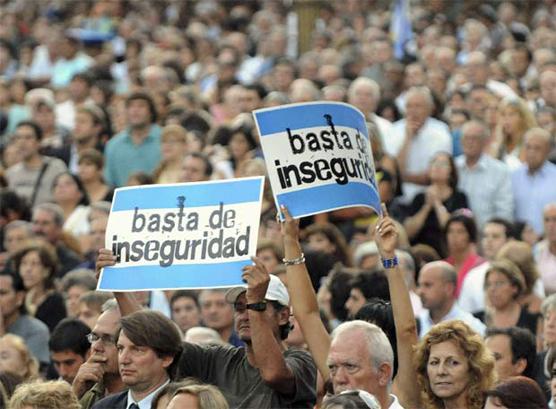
(105, 258)
(290, 226)
(257, 278)
(89, 373)
(386, 235)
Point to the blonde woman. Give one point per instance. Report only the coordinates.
(514, 119)
(15, 357)
(198, 397)
(44, 395)
(173, 147)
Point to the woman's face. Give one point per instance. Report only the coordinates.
(66, 190)
(88, 171)
(549, 327)
(10, 359)
(500, 291)
(173, 148)
(511, 120)
(447, 371)
(185, 313)
(239, 145)
(72, 299)
(440, 169)
(457, 237)
(319, 242)
(32, 271)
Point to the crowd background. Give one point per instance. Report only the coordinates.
(460, 98)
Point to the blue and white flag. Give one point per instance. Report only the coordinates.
(318, 157)
(400, 28)
(191, 235)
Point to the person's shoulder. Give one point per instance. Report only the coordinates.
(15, 169)
(55, 163)
(117, 139)
(29, 324)
(115, 401)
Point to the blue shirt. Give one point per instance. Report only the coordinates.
(124, 157)
(533, 191)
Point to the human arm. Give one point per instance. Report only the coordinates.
(89, 373)
(126, 301)
(267, 349)
(404, 385)
(303, 298)
(413, 224)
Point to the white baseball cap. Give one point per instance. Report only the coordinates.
(276, 291)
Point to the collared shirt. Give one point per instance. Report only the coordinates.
(533, 191)
(395, 403)
(546, 263)
(433, 137)
(124, 157)
(146, 402)
(488, 188)
(455, 313)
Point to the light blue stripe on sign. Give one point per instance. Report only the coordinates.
(308, 116)
(175, 276)
(327, 197)
(196, 195)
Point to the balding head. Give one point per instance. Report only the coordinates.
(537, 148)
(437, 285)
(548, 87)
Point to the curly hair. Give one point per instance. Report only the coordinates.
(51, 395)
(481, 362)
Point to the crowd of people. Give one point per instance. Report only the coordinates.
(445, 300)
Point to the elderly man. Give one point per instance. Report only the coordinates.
(486, 181)
(361, 357)
(533, 182)
(437, 288)
(416, 139)
(545, 251)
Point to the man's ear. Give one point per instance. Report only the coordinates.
(384, 374)
(520, 366)
(19, 298)
(284, 316)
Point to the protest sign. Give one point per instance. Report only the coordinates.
(192, 235)
(318, 157)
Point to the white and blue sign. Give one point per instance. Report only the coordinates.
(318, 157)
(191, 235)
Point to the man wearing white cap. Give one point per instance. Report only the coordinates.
(263, 374)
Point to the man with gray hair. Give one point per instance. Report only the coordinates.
(486, 181)
(415, 140)
(361, 357)
(437, 288)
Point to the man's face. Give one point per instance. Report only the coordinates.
(494, 237)
(350, 363)
(44, 225)
(549, 218)
(10, 300)
(98, 233)
(67, 364)
(500, 346)
(26, 142)
(193, 170)
(250, 100)
(362, 98)
(268, 258)
(140, 367)
(549, 327)
(472, 141)
(14, 239)
(536, 151)
(457, 236)
(417, 108)
(138, 113)
(185, 313)
(87, 314)
(72, 299)
(85, 128)
(355, 301)
(548, 87)
(215, 311)
(241, 318)
(45, 116)
(432, 288)
(105, 347)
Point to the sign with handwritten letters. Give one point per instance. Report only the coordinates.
(318, 157)
(191, 235)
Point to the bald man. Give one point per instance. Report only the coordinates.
(437, 289)
(533, 183)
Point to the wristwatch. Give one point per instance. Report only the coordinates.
(257, 306)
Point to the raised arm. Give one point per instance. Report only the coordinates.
(302, 296)
(126, 301)
(404, 385)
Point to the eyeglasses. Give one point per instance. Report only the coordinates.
(106, 339)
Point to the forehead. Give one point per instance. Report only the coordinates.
(6, 282)
(445, 349)
(494, 228)
(550, 211)
(107, 323)
(41, 214)
(349, 345)
(429, 273)
(209, 295)
(498, 343)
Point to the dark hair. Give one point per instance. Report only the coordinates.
(152, 329)
(31, 124)
(11, 202)
(335, 236)
(259, 88)
(519, 392)
(522, 343)
(92, 156)
(372, 284)
(144, 96)
(339, 288)
(508, 227)
(467, 221)
(203, 157)
(379, 312)
(48, 259)
(70, 334)
(453, 180)
(77, 180)
(8, 382)
(17, 286)
(184, 294)
(247, 132)
(142, 177)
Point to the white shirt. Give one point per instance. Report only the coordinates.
(146, 402)
(488, 187)
(384, 126)
(432, 137)
(455, 313)
(395, 403)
